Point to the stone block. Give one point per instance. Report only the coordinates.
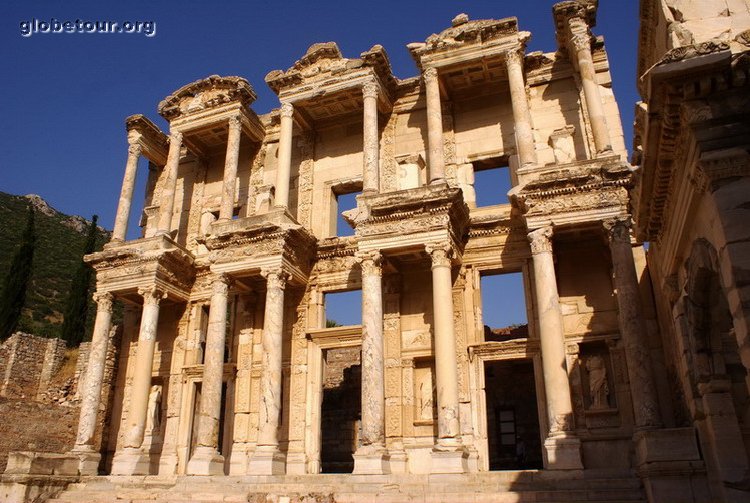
(672, 444)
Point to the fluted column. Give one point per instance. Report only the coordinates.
(206, 460)
(92, 391)
(370, 458)
(166, 204)
(520, 104)
(284, 169)
(126, 192)
(436, 159)
(630, 314)
(563, 451)
(131, 460)
(267, 459)
(371, 143)
(581, 44)
(230, 169)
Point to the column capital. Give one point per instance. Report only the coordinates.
(371, 262)
(276, 277)
(134, 148)
(514, 56)
(440, 253)
(234, 122)
(541, 240)
(430, 74)
(175, 136)
(104, 301)
(151, 295)
(580, 42)
(370, 89)
(287, 109)
(221, 284)
(618, 229)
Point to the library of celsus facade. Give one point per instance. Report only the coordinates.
(227, 365)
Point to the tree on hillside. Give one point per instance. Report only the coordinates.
(76, 307)
(14, 287)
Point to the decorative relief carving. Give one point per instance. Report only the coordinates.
(388, 163)
(286, 110)
(276, 278)
(692, 51)
(306, 146)
(598, 383)
(618, 229)
(151, 295)
(541, 240)
(440, 254)
(370, 262)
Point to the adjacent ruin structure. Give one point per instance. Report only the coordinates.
(227, 366)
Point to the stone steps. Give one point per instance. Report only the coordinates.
(494, 487)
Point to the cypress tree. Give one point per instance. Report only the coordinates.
(76, 307)
(16, 282)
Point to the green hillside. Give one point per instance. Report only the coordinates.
(60, 240)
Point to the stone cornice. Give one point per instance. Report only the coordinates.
(154, 141)
(206, 93)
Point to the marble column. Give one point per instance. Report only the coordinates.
(126, 192)
(267, 458)
(229, 186)
(633, 332)
(562, 446)
(206, 460)
(166, 204)
(581, 43)
(449, 456)
(371, 142)
(371, 457)
(520, 103)
(284, 168)
(436, 158)
(92, 382)
(131, 459)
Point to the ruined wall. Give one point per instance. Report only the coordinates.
(27, 363)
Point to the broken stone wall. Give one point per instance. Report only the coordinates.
(27, 364)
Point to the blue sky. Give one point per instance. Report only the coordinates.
(66, 96)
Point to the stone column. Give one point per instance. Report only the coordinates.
(581, 43)
(267, 458)
(520, 103)
(131, 460)
(92, 382)
(166, 204)
(230, 169)
(449, 455)
(371, 143)
(372, 457)
(284, 168)
(562, 447)
(126, 192)
(436, 159)
(630, 314)
(206, 460)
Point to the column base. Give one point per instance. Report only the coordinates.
(296, 463)
(206, 461)
(131, 461)
(267, 461)
(239, 460)
(563, 453)
(371, 460)
(399, 461)
(168, 463)
(449, 456)
(88, 461)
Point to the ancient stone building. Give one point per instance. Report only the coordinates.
(228, 368)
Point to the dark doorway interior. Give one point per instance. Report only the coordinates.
(340, 410)
(512, 415)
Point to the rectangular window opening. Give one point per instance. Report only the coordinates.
(344, 202)
(343, 308)
(504, 307)
(492, 181)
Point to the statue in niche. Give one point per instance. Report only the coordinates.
(598, 385)
(153, 417)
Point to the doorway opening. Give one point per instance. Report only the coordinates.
(340, 409)
(513, 437)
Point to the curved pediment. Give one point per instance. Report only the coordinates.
(206, 93)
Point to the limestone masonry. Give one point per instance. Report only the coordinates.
(629, 382)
